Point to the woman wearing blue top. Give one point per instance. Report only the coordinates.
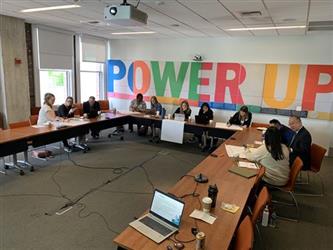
(155, 106)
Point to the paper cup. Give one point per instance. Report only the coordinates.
(157, 113)
(206, 204)
(85, 115)
(169, 116)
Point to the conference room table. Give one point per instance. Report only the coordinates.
(233, 189)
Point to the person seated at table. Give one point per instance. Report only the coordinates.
(242, 118)
(92, 108)
(47, 114)
(155, 106)
(300, 144)
(184, 108)
(286, 133)
(67, 109)
(205, 115)
(274, 156)
(137, 105)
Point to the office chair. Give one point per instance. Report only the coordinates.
(244, 235)
(290, 188)
(317, 156)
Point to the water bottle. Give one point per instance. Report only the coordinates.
(212, 193)
(265, 217)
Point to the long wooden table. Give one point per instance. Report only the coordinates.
(233, 189)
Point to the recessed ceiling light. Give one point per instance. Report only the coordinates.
(133, 33)
(289, 20)
(175, 25)
(59, 7)
(268, 28)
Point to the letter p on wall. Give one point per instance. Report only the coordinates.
(313, 86)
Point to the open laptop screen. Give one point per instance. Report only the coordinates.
(167, 207)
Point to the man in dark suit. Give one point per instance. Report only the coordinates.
(286, 133)
(300, 144)
(92, 108)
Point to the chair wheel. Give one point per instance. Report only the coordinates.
(21, 172)
(121, 138)
(32, 169)
(84, 151)
(109, 136)
(6, 167)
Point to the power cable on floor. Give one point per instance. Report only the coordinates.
(115, 170)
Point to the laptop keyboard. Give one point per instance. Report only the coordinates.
(149, 222)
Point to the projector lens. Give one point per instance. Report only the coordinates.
(113, 11)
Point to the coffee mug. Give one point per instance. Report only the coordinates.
(206, 204)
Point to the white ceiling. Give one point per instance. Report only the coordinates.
(179, 18)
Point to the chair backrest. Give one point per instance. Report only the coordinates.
(19, 124)
(35, 110)
(104, 104)
(258, 124)
(244, 235)
(79, 109)
(259, 176)
(33, 119)
(294, 171)
(317, 155)
(262, 200)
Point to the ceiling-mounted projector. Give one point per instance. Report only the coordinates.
(125, 14)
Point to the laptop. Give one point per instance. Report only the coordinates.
(179, 117)
(163, 218)
(199, 120)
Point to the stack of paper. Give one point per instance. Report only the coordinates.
(235, 151)
(223, 125)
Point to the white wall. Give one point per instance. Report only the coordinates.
(281, 50)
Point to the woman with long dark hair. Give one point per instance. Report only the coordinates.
(274, 156)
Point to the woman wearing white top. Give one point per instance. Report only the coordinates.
(274, 156)
(47, 114)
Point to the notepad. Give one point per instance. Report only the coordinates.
(246, 164)
(244, 172)
(201, 215)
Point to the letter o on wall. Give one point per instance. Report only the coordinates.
(133, 77)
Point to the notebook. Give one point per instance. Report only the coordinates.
(245, 172)
(163, 218)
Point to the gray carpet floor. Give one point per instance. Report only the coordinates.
(113, 183)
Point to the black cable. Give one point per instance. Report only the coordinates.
(58, 185)
(29, 195)
(115, 170)
(95, 213)
(75, 201)
(148, 178)
(137, 3)
(183, 241)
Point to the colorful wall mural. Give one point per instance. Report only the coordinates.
(305, 90)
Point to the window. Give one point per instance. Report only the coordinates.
(92, 80)
(56, 82)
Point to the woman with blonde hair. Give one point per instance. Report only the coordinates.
(47, 114)
(184, 108)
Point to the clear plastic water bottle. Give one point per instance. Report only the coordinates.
(265, 217)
